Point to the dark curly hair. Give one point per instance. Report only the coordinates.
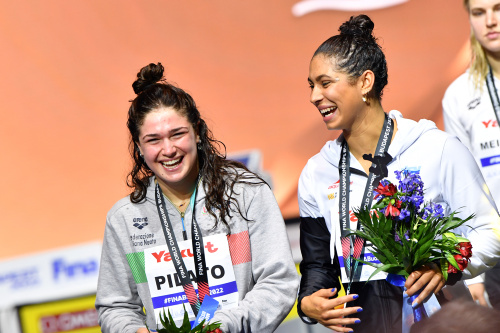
(355, 50)
(219, 174)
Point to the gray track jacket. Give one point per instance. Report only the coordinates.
(263, 266)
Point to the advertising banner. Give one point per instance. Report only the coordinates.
(51, 275)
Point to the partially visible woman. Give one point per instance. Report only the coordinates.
(471, 110)
(186, 192)
(347, 75)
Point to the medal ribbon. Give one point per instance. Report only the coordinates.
(492, 90)
(175, 253)
(352, 246)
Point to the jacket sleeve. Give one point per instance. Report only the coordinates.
(270, 300)
(466, 192)
(118, 304)
(453, 125)
(451, 111)
(317, 268)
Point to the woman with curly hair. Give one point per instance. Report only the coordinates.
(194, 220)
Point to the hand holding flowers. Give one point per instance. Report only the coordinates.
(413, 239)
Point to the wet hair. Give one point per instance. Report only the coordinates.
(479, 63)
(460, 316)
(219, 175)
(356, 50)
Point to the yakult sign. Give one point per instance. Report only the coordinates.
(164, 283)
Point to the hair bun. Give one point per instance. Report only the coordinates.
(360, 25)
(147, 76)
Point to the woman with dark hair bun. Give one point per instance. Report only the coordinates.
(194, 220)
(347, 75)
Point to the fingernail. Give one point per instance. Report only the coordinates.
(405, 288)
(360, 309)
(333, 290)
(355, 296)
(357, 321)
(351, 331)
(405, 294)
(414, 305)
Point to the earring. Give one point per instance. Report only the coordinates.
(198, 145)
(364, 99)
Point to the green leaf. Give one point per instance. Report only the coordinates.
(452, 260)
(186, 325)
(444, 268)
(387, 268)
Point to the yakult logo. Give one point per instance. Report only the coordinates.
(336, 185)
(490, 123)
(308, 6)
(184, 253)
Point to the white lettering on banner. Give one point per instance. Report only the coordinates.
(198, 250)
(204, 316)
(344, 190)
(369, 193)
(386, 136)
(164, 282)
(308, 6)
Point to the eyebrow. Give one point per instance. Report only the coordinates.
(172, 131)
(319, 77)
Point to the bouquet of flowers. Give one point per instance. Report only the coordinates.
(407, 234)
(170, 327)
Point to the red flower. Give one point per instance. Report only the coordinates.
(452, 269)
(465, 249)
(387, 190)
(393, 210)
(217, 330)
(461, 261)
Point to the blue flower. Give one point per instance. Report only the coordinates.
(411, 187)
(404, 214)
(432, 210)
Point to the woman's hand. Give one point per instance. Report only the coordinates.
(430, 277)
(320, 307)
(142, 330)
(477, 293)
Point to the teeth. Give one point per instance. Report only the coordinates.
(170, 163)
(329, 110)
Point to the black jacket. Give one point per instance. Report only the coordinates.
(381, 301)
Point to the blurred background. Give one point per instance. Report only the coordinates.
(66, 72)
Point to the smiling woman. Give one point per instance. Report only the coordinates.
(347, 75)
(214, 225)
(167, 143)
